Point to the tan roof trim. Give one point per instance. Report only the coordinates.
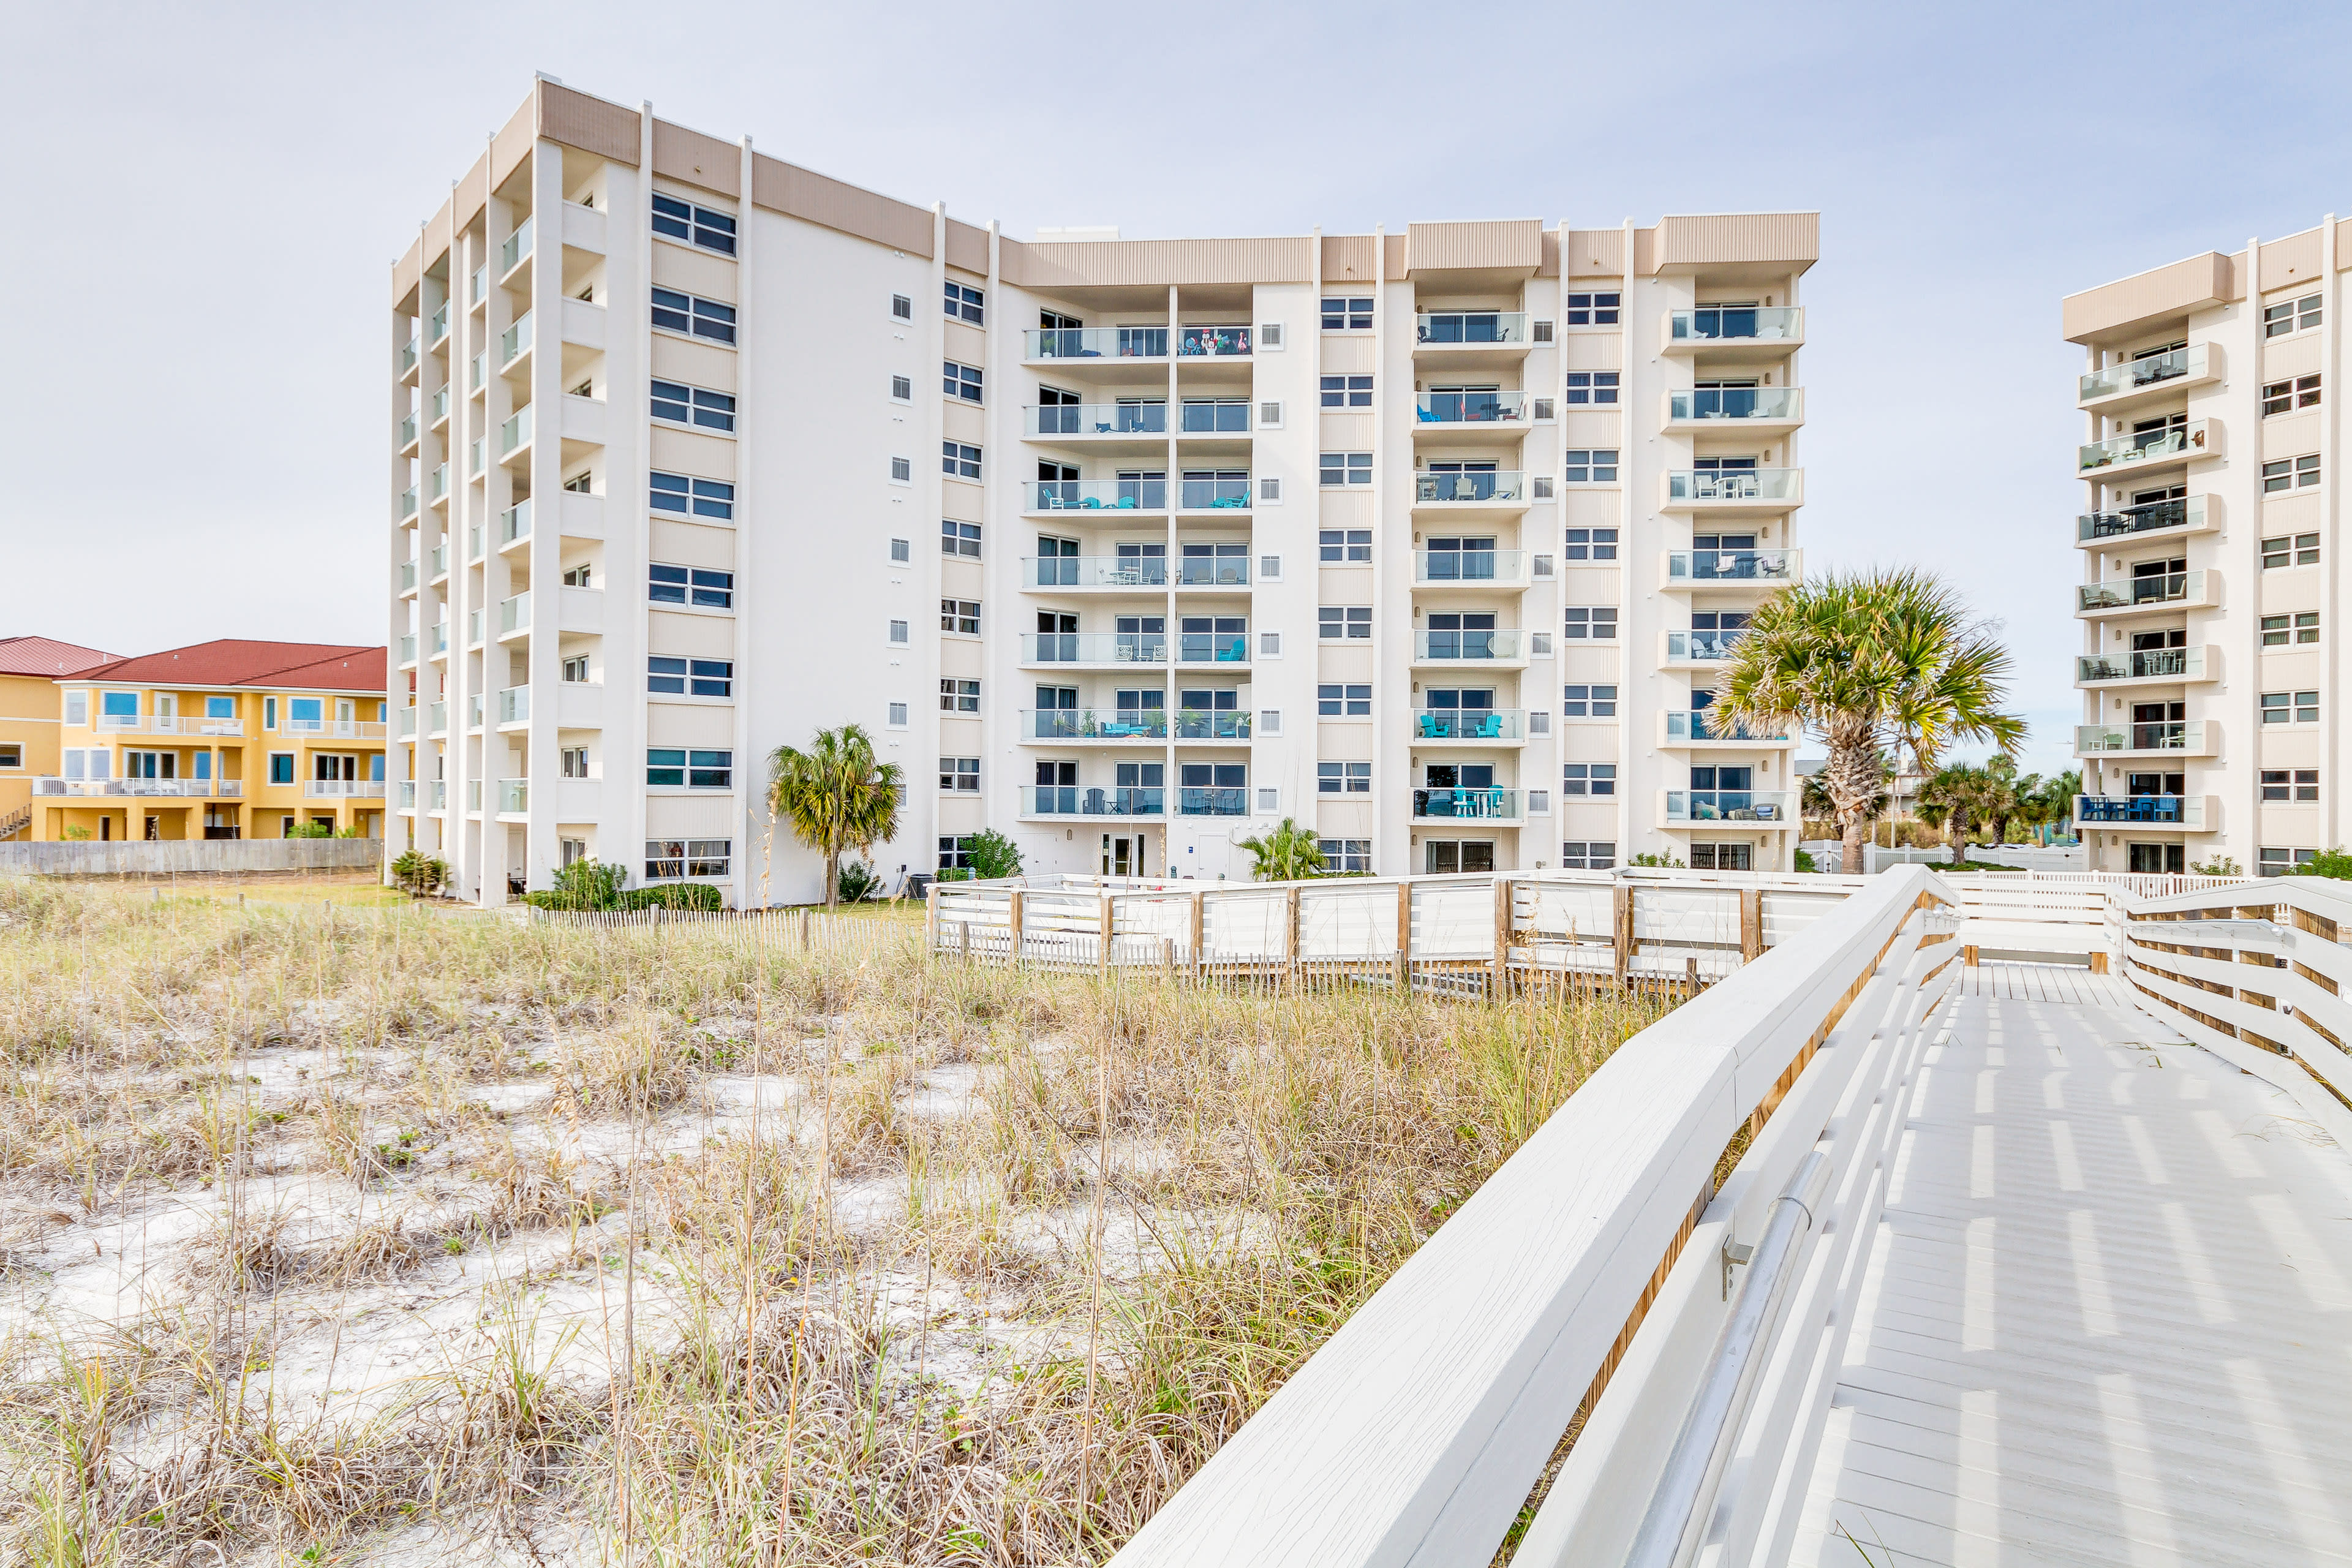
(1393, 262)
(1549, 266)
(2296, 259)
(1347, 259)
(1284, 258)
(408, 271)
(817, 198)
(967, 248)
(1514, 244)
(1719, 239)
(2131, 305)
(691, 158)
(512, 144)
(1596, 253)
(591, 124)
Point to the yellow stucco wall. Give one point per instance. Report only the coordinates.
(28, 737)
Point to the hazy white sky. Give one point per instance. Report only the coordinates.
(203, 203)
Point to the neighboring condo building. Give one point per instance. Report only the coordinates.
(1431, 540)
(2210, 600)
(31, 709)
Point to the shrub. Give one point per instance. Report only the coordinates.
(2219, 866)
(991, 854)
(78, 834)
(1666, 861)
(311, 830)
(418, 874)
(1805, 861)
(2335, 863)
(859, 882)
(585, 886)
(698, 896)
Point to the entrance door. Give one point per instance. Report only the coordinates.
(1121, 854)
(2156, 857)
(1450, 855)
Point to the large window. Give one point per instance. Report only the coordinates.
(1587, 857)
(2290, 549)
(1347, 391)
(955, 852)
(962, 381)
(2291, 316)
(1346, 857)
(1587, 778)
(1588, 701)
(960, 774)
(11, 754)
(1597, 621)
(958, 696)
(701, 225)
(281, 768)
(1350, 314)
(676, 768)
(1589, 468)
(960, 539)
(1591, 386)
(697, 585)
(960, 616)
(1345, 545)
(1346, 467)
(1343, 621)
(964, 304)
(684, 405)
(1589, 544)
(690, 677)
(692, 314)
(1592, 310)
(2291, 473)
(2291, 783)
(958, 461)
(2278, 862)
(1343, 778)
(2278, 631)
(693, 498)
(1344, 701)
(2290, 707)
(667, 859)
(2297, 391)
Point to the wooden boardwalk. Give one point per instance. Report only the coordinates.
(2107, 1318)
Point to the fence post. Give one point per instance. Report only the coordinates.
(963, 942)
(1501, 967)
(1106, 925)
(806, 938)
(1200, 927)
(1290, 932)
(1015, 898)
(1621, 924)
(1404, 938)
(1751, 923)
(931, 917)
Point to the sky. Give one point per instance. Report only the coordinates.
(204, 203)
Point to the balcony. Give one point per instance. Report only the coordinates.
(440, 407)
(150, 789)
(1212, 648)
(436, 798)
(342, 789)
(514, 796)
(407, 795)
(516, 250)
(408, 577)
(1214, 342)
(1470, 726)
(1474, 568)
(408, 434)
(1139, 573)
(2117, 387)
(1464, 415)
(440, 325)
(407, 722)
(408, 356)
(2177, 738)
(1507, 805)
(1048, 496)
(514, 343)
(333, 729)
(1500, 490)
(1734, 492)
(407, 647)
(1735, 333)
(407, 503)
(1683, 731)
(1749, 410)
(514, 525)
(1115, 420)
(1107, 650)
(1222, 493)
(2183, 813)
(1206, 801)
(164, 724)
(1466, 340)
(2120, 597)
(2186, 514)
(436, 719)
(1216, 571)
(1059, 344)
(437, 483)
(514, 435)
(1747, 807)
(2169, 666)
(440, 637)
(1687, 570)
(473, 629)
(514, 705)
(474, 711)
(2146, 450)
(1115, 725)
(514, 614)
(1076, 800)
(440, 561)
(1699, 648)
(1488, 646)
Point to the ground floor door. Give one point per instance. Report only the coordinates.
(2158, 857)
(1447, 854)
(1122, 855)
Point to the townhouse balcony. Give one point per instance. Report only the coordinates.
(514, 706)
(1499, 491)
(2162, 666)
(2176, 813)
(436, 719)
(514, 614)
(438, 330)
(408, 354)
(514, 796)
(407, 506)
(1729, 334)
(1692, 730)
(149, 789)
(1470, 726)
(2117, 387)
(1115, 726)
(1098, 650)
(1092, 800)
(407, 722)
(1490, 649)
(2144, 450)
(1757, 411)
(407, 649)
(2119, 598)
(1686, 571)
(514, 525)
(407, 578)
(1229, 648)
(1062, 346)
(2182, 515)
(1112, 421)
(1734, 493)
(2174, 738)
(164, 724)
(1213, 342)
(333, 729)
(514, 343)
(1692, 649)
(406, 444)
(1742, 807)
(1466, 340)
(1046, 497)
(1469, 416)
(1473, 568)
(1499, 805)
(514, 435)
(515, 250)
(1206, 801)
(342, 789)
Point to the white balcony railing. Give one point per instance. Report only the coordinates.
(1483, 485)
(1094, 647)
(516, 246)
(1491, 643)
(1772, 403)
(2137, 376)
(2185, 736)
(514, 705)
(514, 614)
(1097, 342)
(1439, 568)
(1730, 806)
(1768, 567)
(2132, 593)
(1468, 328)
(1469, 724)
(514, 795)
(333, 729)
(342, 789)
(1735, 486)
(1470, 408)
(1730, 324)
(2175, 442)
(515, 342)
(515, 434)
(2143, 663)
(514, 523)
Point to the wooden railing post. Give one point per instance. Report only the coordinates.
(806, 938)
(1404, 938)
(931, 917)
(1200, 924)
(1501, 969)
(1751, 923)
(1105, 927)
(1290, 931)
(1014, 913)
(1621, 925)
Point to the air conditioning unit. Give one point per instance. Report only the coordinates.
(1269, 568)
(1539, 722)
(1542, 490)
(1269, 415)
(1543, 410)
(1269, 492)
(1269, 336)
(1542, 645)
(1542, 332)
(1543, 566)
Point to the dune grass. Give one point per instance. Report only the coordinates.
(337, 1236)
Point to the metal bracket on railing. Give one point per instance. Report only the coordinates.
(1735, 1253)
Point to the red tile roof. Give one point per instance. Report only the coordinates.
(46, 656)
(233, 661)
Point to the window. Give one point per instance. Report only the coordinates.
(1722, 857)
(1346, 857)
(2290, 473)
(2290, 707)
(1348, 315)
(580, 576)
(1592, 310)
(2291, 316)
(897, 716)
(1588, 702)
(1587, 857)
(1587, 778)
(685, 404)
(2297, 784)
(960, 616)
(1589, 468)
(699, 226)
(2280, 630)
(960, 774)
(958, 461)
(1589, 544)
(1269, 645)
(2271, 862)
(902, 470)
(1269, 722)
(1337, 701)
(1346, 544)
(695, 585)
(11, 754)
(1345, 621)
(1346, 467)
(675, 769)
(900, 633)
(668, 857)
(691, 314)
(690, 677)
(269, 710)
(2295, 550)
(1593, 386)
(958, 696)
(575, 762)
(693, 498)
(1597, 622)
(2279, 396)
(901, 552)
(282, 767)
(964, 304)
(961, 381)
(902, 389)
(583, 483)
(1343, 778)
(1347, 391)
(955, 852)
(77, 708)
(960, 539)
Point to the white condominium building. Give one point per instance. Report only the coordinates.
(1431, 541)
(2209, 598)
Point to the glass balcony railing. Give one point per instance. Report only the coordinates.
(473, 794)
(2145, 664)
(482, 365)
(1435, 327)
(1212, 648)
(441, 637)
(514, 614)
(1211, 801)
(514, 342)
(440, 324)
(2125, 592)
(1730, 806)
(474, 711)
(1084, 800)
(1213, 416)
(516, 246)
(408, 356)
(1212, 343)
(478, 285)
(436, 719)
(1094, 647)
(438, 796)
(473, 542)
(1506, 642)
(1481, 805)
(1776, 403)
(1212, 571)
(514, 523)
(514, 434)
(1734, 566)
(408, 576)
(1469, 724)
(2176, 735)
(1735, 485)
(408, 432)
(440, 561)
(2149, 516)
(1087, 724)
(1470, 407)
(1212, 724)
(440, 406)
(408, 502)
(1699, 648)
(2174, 443)
(1482, 485)
(407, 795)
(1099, 495)
(473, 629)
(439, 484)
(2153, 810)
(407, 722)
(514, 704)
(514, 795)
(1096, 570)
(1224, 492)
(1684, 726)
(408, 648)
(1097, 342)
(1098, 418)
(1735, 324)
(2174, 364)
(1469, 565)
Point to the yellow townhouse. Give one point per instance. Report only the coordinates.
(31, 710)
(220, 739)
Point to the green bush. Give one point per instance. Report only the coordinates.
(1805, 861)
(1666, 861)
(2333, 863)
(991, 854)
(418, 874)
(697, 896)
(586, 886)
(859, 882)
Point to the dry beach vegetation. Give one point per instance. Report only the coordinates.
(351, 1235)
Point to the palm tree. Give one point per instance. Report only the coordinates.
(2006, 797)
(1288, 854)
(2057, 799)
(836, 797)
(1958, 798)
(1872, 662)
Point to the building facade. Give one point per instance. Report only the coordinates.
(31, 709)
(219, 740)
(2209, 599)
(1431, 540)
